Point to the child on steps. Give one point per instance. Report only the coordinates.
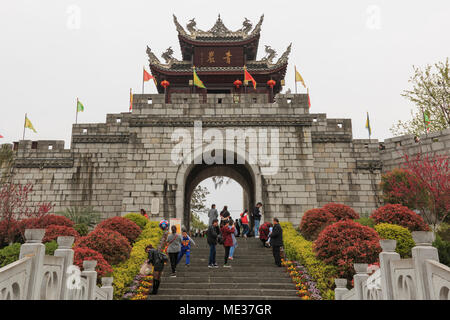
(186, 242)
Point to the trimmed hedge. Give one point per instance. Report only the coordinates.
(137, 218)
(299, 249)
(400, 215)
(443, 249)
(124, 272)
(341, 211)
(9, 254)
(52, 232)
(103, 268)
(314, 221)
(125, 227)
(347, 242)
(403, 236)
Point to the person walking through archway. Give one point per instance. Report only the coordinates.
(174, 248)
(256, 215)
(227, 241)
(276, 241)
(212, 214)
(212, 234)
(244, 221)
(224, 215)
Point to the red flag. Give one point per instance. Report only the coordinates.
(131, 100)
(1, 136)
(148, 76)
(309, 101)
(248, 77)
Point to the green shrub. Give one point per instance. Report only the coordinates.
(9, 254)
(124, 272)
(403, 236)
(443, 248)
(444, 231)
(137, 218)
(81, 228)
(368, 222)
(50, 247)
(299, 249)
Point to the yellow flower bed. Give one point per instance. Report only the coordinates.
(299, 249)
(124, 272)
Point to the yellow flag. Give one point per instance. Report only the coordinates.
(29, 125)
(298, 77)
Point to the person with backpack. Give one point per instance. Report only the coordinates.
(276, 241)
(157, 259)
(227, 241)
(244, 222)
(186, 242)
(256, 215)
(212, 234)
(174, 248)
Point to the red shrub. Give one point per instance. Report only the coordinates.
(400, 215)
(125, 227)
(346, 242)
(314, 221)
(341, 211)
(103, 268)
(52, 219)
(9, 232)
(54, 231)
(112, 245)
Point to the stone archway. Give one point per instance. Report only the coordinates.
(190, 175)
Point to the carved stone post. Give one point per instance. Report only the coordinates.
(341, 288)
(386, 257)
(33, 247)
(360, 278)
(421, 252)
(91, 276)
(65, 251)
(107, 287)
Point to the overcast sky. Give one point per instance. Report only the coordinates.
(354, 55)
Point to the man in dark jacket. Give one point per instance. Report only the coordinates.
(276, 241)
(212, 234)
(256, 215)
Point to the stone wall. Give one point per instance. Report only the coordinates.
(125, 164)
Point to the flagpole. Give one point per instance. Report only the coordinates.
(76, 112)
(295, 78)
(143, 69)
(24, 123)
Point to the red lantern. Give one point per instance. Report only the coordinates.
(165, 83)
(237, 83)
(271, 83)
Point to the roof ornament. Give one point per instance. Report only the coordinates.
(219, 28)
(285, 56)
(257, 29)
(179, 27)
(192, 26)
(246, 26)
(168, 55)
(151, 56)
(270, 55)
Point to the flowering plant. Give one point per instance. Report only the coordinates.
(305, 285)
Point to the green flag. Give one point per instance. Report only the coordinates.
(197, 81)
(80, 107)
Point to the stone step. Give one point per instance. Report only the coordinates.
(226, 292)
(227, 285)
(221, 297)
(236, 268)
(217, 278)
(221, 272)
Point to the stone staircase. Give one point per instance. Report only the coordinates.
(253, 276)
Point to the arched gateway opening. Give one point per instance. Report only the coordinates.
(189, 176)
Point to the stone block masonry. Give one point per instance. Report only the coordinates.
(126, 163)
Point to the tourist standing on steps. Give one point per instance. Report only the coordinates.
(174, 248)
(276, 241)
(244, 221)
(212, 214)
(186, 242)
(237, 224)
(227, 241)
(233, 236)
(157, 259)
(144, 214)
(212, 234)
(256, 215)
(224, 216)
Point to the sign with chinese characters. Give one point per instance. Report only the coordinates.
(219, 56)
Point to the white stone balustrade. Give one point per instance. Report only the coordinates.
(420, 278)
(36, 276)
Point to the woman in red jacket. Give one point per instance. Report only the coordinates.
(226, 231)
